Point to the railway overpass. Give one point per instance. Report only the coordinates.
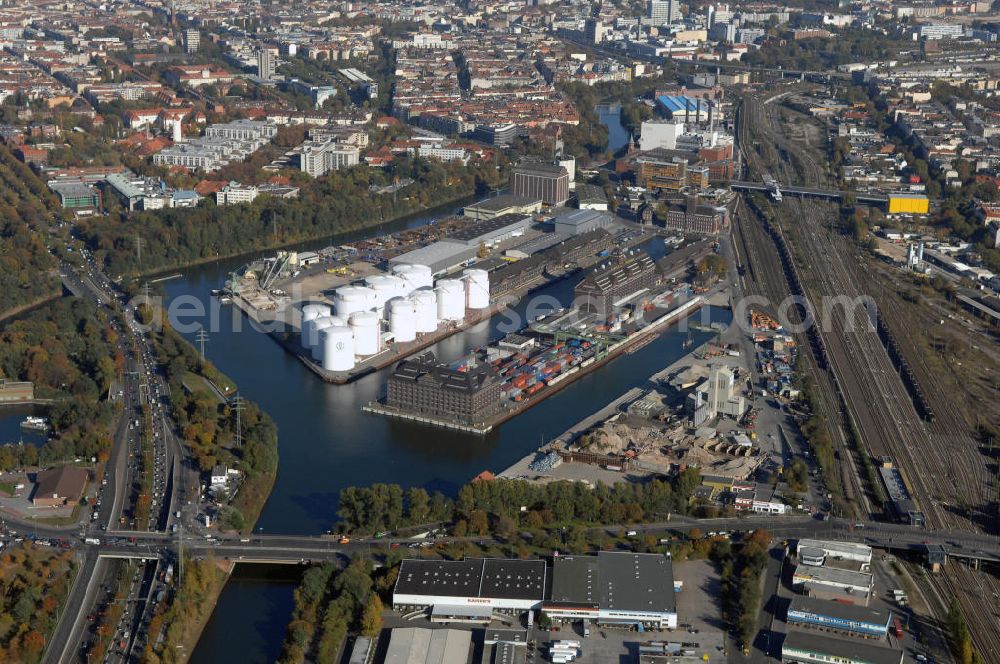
(813, 192)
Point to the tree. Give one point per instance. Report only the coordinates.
(478, 522)
(371, 621)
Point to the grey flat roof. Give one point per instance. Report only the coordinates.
(638, 581)
(575, 580)
(855, 612)
(502, 202)
(417, 645)
(853, 650)
(834, 575)
(615, 580)
(579, 217)
(437, 255)
(541, 168)
(490, 226)
(72, 189)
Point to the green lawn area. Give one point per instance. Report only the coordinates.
(224, 382)
(8, 487)
(194, 382)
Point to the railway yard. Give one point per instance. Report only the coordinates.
(907, 405)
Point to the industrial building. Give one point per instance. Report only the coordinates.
(695, 217)
(590, 197)
(439, 256)
(822, 581)
(465, 587)
(811, 648)
(77, 195)
(859, 553)
(417, 645)
(614, 588)
(665, 170)
(717, 396)
(547, 182)
(433, 389)
(659, 134)
(579, 222)
(683, 107)
(850, 619)
(13, 391)
(504, 204)
(491, 232)
(905, 203)
(614, 282)
(462, 246)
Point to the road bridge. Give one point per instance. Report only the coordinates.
(293, 549)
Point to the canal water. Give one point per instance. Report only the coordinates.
(10, 425)
(327, 443)
(610, 116)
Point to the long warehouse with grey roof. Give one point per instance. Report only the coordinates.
(612, 587)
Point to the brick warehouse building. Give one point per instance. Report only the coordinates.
(427, 387)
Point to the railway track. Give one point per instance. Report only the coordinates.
(978, 596)
(940, 462)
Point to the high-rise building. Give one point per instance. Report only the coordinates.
(593, 29)
(192, 40)
(318, 159)
(662, 12)
(265, 64)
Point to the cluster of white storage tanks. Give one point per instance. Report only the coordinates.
(408, 300)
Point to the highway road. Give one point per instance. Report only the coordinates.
(288, 548)
(143, 427)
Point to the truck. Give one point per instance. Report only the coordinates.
(92, 540)
(897, 627)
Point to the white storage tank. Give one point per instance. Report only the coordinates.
(348, 299)
(416, 276)
(402, 320)
(338, 348)
(310, 313)
(318, 325)
(367, 335)
(386, 287)
(477, 288)
(425, 310)
(451, 299)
